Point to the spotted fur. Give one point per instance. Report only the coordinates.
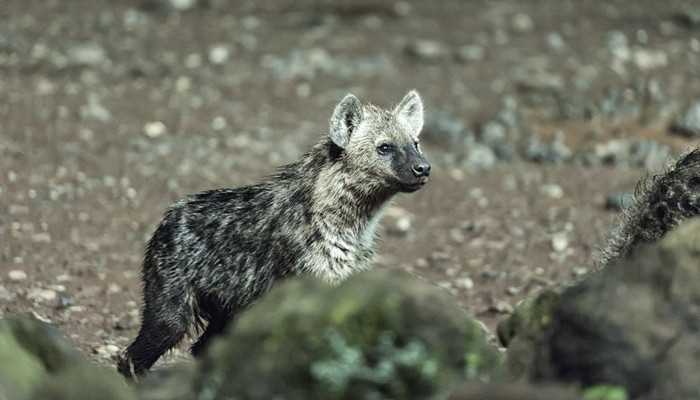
(661, 202)
(214, 253)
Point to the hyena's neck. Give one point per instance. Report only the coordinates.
(348, 194)
(346, 207)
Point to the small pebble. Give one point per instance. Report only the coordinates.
(553, 190)
(107, 351)
(154, 129)
(42, 295)
(219, 54)
(523, 23)
(465, 283)
(501, 307)
(427, 50)
(560, 242)
(17, 275)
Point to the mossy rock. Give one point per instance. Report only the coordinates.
(171, 383)
(20, 370)
(633, 325)
(41, 340)
(381, 334)
(30, 350)
(521, 331)
(514, 391)
(84, 382)
(37, 363)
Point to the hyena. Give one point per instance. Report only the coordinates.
(216, 252)
(661, 202)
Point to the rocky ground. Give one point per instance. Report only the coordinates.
(541, 116)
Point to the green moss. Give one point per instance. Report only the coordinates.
(380, 367)
(605, 392)
(18, 367)
(84, 381)
(379, 335)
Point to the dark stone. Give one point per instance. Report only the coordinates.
(634, 324)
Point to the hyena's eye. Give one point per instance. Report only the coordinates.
(415, 144)
(384, 149)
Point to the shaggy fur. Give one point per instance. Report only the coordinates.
(216, 252)
(661, 202)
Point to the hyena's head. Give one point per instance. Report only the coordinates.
(382, 145)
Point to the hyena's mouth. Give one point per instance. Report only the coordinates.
(415, 185)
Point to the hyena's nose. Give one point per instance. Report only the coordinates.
(421, 169)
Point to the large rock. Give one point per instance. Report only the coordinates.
(523, 330)
(20, 370)
(83, 382)
(172, 383)
(501, 391)
(42, 341)
(379, 335)
(635, 324)
(29, 351)
(37, 363)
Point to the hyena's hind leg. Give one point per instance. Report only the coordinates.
(165, 322)
(217, 318)
(213, 329)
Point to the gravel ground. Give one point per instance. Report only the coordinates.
(540, 114)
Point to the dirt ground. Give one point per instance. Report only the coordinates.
(112, 110)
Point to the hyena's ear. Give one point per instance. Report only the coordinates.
(410, 112)
(345, 120)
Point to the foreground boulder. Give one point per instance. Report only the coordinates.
(84, 381)
(381, 334)
(524, 329)
(501, 391)
(37, 363)
(635, 324)
(29, 351)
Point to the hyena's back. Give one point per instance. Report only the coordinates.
(227, 242)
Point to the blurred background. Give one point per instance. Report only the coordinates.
(541, 117)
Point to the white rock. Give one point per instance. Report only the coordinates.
(555, 41)
(42, 295)
(427, 49)
(17, 275)
(183, 5)
(219, 123)
(87, 54)
(523, 23)
(465, 283)
(219, 54)
(107, 351)
(553, 190)
(154, 129)
(646, 59)
(470, 53)
(560, 242)
(403, 224)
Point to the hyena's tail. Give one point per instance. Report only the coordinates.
(660, 203)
